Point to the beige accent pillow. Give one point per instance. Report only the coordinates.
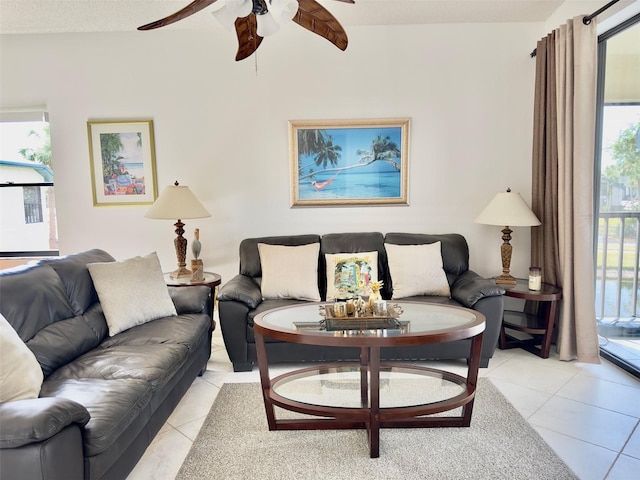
(131, 292)
(417, 270)
(20, 373)
(349, 274)
(290, 271)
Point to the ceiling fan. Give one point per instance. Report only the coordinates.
(253, 20)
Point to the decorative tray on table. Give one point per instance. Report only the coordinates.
(366, 321)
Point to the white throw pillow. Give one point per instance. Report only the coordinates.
(417, 270)
(20, 373)
(349, 273)
(131, 292)
(290, 271)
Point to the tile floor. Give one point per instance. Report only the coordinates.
(589, 414)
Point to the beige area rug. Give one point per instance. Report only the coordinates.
(235, 443)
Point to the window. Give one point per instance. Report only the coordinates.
(28, 226)
(617, 286)
(32, 204)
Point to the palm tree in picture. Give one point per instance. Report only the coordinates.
(382, 149)
(327, 153)
(310, 140)
(110, 148)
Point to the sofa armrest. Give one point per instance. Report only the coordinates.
(35, 420)
(192, 299)
(243, 289)
(471, 287)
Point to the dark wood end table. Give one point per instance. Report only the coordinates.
(539, 325)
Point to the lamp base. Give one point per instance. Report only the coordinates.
(506, 280)
(181, 272)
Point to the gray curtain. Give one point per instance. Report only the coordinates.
(562, 185)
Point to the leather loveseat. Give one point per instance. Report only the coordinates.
(240, 299)
(104, 397)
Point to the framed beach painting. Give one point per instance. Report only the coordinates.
(123, 162)
(349, 162)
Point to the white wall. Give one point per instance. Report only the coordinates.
(221, 127)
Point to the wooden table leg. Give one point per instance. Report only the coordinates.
(364, 377)
(263, 366)
(374, 412)
(472, 375)
(502, 342)
(550, 311)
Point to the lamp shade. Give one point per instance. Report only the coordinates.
(177, 202)
(508, 209)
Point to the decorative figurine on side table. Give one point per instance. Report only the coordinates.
(196, 264)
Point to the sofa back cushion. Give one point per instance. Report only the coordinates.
(61, 342)
(455, 251)
(74, 274)
(54, 310)
(32, 298)
(355, 243)
(250, 257)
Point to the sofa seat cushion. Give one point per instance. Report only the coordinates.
(155, 364)
(113, 405)
(187, 330)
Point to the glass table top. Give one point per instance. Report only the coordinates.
(415, 318)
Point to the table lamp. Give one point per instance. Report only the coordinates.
(508, 209)
(177, 201)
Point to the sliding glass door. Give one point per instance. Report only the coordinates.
(618, 196)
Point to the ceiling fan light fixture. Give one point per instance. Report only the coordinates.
(225, 17)
(240, 8)
(267, 25)
(283, 10)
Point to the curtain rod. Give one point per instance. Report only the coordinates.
(587, 19)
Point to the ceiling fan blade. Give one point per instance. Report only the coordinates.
(248, 39)
(317, 19)
(346, 1)
(193, 7)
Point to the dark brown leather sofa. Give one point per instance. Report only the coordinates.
(103, 398)
(240, 299)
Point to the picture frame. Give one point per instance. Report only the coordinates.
(123, 162)
(349, 162)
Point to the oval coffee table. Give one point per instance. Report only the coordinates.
(369, 395)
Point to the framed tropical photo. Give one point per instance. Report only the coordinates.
(349, 162)
(123, 162)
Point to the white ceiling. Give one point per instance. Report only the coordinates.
(59, 16)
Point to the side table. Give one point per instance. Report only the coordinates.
(539, 325)
(211, 280)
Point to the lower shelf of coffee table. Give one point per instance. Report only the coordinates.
(339, 386)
